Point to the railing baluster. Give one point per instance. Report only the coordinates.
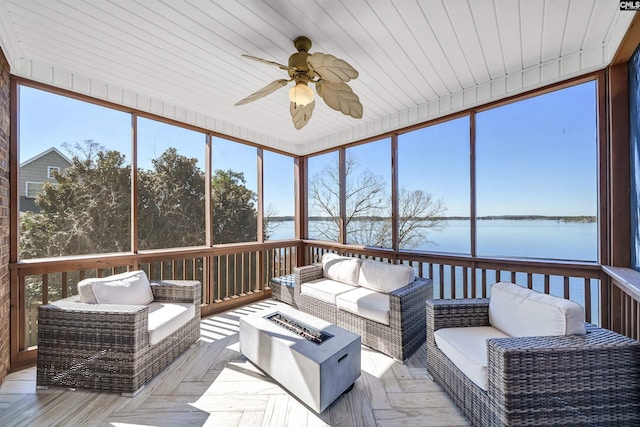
(453, 281)
(547, 286)
(64, 285)
(465, 282)
(484, 283)
(242, 290)
(45, 289)
(587, 299)
(219, 284)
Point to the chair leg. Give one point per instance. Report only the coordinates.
(134, 393)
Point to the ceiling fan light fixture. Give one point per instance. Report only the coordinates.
(301, 94)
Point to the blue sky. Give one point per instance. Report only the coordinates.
(536, 156)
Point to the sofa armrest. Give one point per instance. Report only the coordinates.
(419, 285)
(307, 273)
(188, 291)
(71, 323)
(453, 313)
(503, 350)
(406, 304)
(565, 373)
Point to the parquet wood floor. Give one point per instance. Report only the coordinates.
(212, 384)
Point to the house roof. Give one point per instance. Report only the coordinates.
(45, 153)
(417, 60)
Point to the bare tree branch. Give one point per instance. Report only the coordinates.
(368, 215)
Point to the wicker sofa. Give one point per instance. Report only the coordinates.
(383, 303)
(577, 379)
(118, 345)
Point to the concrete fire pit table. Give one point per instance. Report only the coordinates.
(317, 369)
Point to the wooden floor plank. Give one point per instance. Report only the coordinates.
(213, 384)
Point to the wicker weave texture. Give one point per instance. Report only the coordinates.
(280, 289)
(105, 347)
(405, 332)
(580, 380)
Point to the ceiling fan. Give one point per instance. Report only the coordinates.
(327, 72)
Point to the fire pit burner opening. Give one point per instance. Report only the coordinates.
(309, 333)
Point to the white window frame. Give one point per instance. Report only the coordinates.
(51, 169)
(26, 188)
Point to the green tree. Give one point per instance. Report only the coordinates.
(368, 208)
(233, 208)
(86, 212)
(171, 200)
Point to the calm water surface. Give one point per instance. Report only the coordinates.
(548, 239)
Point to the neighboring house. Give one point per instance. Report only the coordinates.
(35, 172)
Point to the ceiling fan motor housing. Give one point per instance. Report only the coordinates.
(298, 61)
(298, 64)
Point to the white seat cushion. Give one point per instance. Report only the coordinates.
(522, 312)
(324, 289)
(132, 287)
(166, 318)
(383, 277)
(341, 268)
(366, 303)
(467, 349)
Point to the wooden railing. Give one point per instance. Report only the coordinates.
(459, 276)
(232, 275)
(622, 297)
(238, 274)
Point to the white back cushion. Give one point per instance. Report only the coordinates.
(383, 277)
(85, 291)
(132, 287)
(522, 312)
(341, 268)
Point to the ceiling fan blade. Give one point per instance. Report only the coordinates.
(255, 58)
(270, 88)
(340, 97)
(330, 68)
(301, 115)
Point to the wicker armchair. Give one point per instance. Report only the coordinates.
(591, 379)
(405, 332)
(105, 347)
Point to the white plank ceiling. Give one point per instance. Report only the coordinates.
(418, 59)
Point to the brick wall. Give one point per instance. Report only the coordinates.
(4, 216)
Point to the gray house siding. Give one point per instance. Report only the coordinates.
(35, 172)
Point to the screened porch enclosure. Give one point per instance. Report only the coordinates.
(531, 188)
(179, 203)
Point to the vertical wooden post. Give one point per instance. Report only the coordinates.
(260, 273)
(301, 186)
(472, 200)
(394, 194)
(342, 173)
(134, 189)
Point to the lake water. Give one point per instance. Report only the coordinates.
(546, 239)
